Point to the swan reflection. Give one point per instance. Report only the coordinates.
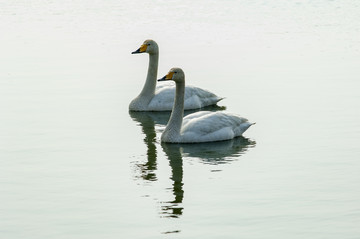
(147, 123)
(217, 152)
(174, 208)
(207, 153)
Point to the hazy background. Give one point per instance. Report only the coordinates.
(75, 164)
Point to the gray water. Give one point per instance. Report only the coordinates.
(74, 163)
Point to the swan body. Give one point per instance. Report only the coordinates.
(203, 126)
(161, 98)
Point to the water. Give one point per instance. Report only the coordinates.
(76, 164)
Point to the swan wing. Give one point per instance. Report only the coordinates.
(206, 126)
(194, 98)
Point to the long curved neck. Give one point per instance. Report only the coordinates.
(174, 125)
(150, 83)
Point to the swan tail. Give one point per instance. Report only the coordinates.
(219, 99)
(245, 126)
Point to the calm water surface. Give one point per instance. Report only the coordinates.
(74, 163)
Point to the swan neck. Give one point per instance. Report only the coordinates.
(177, 114)
(150, 83)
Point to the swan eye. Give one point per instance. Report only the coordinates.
(175, 72)
(148, 44)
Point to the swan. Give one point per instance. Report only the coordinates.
(161, 98)
(202, 126)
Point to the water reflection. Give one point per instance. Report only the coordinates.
(208, 153)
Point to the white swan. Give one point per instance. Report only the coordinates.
(202, 126)
(161, 98)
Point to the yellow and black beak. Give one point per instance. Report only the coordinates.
(142, 49)
(169, 76)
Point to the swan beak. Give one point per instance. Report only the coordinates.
(162, 79)
(140, 50)
(167, 77)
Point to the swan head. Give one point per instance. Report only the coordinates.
(149, 46)
(175, 74)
